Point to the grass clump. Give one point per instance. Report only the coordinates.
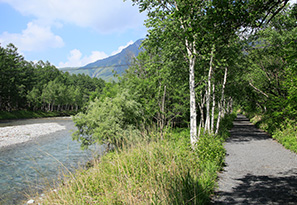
(287, 135)
(163, 171)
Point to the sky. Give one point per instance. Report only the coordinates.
(70, 33)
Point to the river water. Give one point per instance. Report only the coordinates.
(36, 165)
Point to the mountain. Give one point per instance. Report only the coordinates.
(104, 68)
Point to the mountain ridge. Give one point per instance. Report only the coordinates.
(106, 67)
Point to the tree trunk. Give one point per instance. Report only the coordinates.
(201, 106)
(221, 106)
(208, 92)
(193, 119)
(192, 52)
(163, 112)
(213, 108)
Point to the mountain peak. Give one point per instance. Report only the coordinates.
(132, 49)
(104, 68)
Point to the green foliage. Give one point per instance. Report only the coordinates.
(225, 125)
(41, 86)
(161, 88)
(271, 71)
(150, 173)
(210, 149)
(109, 120)
(287, 135)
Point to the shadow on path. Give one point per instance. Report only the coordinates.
(258, 170)
(262, 190)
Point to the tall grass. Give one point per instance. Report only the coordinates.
(163, 171)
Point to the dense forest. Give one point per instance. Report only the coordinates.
(41, 86)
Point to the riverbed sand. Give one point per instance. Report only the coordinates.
(12, 135)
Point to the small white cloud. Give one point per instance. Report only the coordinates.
(76, 58)
(96, 55)
(33, 38)
(121, 48)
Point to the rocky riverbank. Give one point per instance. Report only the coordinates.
(18, 133)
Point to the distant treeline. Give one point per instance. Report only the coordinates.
(41, 86)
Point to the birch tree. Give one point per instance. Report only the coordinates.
(200, 25)
(185, 19)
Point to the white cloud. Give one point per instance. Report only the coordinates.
(122, 47)
(33, 38)
(103, 15)
(76, 58)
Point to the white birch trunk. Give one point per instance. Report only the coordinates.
(201, 106)
(224, 108)
(231, 105)
(193, 119)
(213, 108)
(191, 51)
(221, 106)
(208, 92)
(163, 112)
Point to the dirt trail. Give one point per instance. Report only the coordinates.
(258, 169)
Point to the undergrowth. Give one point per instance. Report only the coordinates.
(287, 135)
(163, 171)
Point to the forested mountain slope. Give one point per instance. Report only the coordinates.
(104, 68)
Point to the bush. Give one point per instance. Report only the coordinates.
(108, 121)
(287, 135)
(210, 149)
(225, 125)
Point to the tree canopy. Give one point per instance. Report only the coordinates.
(41, 86)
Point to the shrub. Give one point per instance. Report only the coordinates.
(110, 121)
(287, 135)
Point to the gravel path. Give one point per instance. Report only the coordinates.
(258, 169)
(15, 132)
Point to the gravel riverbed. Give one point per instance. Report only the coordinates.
(16, 132)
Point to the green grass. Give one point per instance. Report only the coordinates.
(24, 114)
(164, 171)
(287, 135)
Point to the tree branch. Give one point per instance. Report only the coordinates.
(258, 90)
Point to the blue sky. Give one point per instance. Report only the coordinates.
(69, 33)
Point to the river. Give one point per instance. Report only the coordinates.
(33, 166)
